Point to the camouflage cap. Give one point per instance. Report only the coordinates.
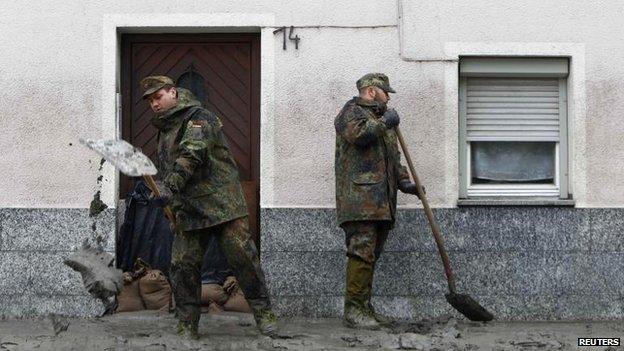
(152, 84)
(375, 79)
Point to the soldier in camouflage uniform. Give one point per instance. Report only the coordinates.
(368, 173)
(199, 180)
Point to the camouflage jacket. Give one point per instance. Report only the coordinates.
(196, 164)
(367, 165)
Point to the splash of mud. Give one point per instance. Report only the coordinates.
(97, 205)
(99, 275)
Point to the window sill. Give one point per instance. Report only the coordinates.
(520, 201)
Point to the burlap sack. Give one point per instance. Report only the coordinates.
(237, 303)
(213, 293)
(155, 290)
(129, 299)
(213, 308)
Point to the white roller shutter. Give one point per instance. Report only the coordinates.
(513, 99)
(512, 109)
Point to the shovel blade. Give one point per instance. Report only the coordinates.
(470, 308)
(125, 157)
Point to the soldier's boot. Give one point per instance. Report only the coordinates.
(359, 318)
(188, 330)
(359, 280)
(266, 320)
(186, 285)
(383, 320)
(242, 256)
(380, 318)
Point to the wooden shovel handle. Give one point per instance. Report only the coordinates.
(152, 185)
(432, 222)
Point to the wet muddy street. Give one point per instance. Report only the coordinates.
(235, 331)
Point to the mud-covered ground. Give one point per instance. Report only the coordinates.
(233, 331)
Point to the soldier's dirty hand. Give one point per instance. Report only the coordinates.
(391, 118)
(165, 194)
(230, 285)
(410, 188)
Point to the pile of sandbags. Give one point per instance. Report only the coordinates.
(155, 291)
(144, 289)
(129, 299)
(217, 298)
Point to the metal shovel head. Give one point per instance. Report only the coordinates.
(470, 308)
(125, 157)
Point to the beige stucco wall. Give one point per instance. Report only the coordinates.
(589, 32)
(54, 91)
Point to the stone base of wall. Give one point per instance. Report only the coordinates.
(521, 263)
(33, 244)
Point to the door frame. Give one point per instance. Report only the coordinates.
(114, 25)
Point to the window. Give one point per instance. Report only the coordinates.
(192, 80)
(513, 127)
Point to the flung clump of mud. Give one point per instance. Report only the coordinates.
(97, 206)
(99, 275)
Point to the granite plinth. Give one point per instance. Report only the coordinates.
(522, 263)
(34, 281)
(26, 229)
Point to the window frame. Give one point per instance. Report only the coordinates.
(514, 67)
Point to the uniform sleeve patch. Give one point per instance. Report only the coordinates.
(195, 129)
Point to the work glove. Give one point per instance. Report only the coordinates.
(165, 195)
(230, 285)
(391, 118)
(409, 187)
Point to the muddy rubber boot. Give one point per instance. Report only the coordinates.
(359, 280)
(266, 321)
(383, 320)
(359, 318)
(187, 330)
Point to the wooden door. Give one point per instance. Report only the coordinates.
(223, 71)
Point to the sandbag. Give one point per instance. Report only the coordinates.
(213, 308)
(155, 290)
(213, 293)
(129, 299)
(237, 303)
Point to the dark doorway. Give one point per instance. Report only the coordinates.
(223, 70)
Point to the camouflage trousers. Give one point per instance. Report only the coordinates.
(239, 249)
(366, 239)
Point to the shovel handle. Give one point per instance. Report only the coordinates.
(432, 222)
(152, 185)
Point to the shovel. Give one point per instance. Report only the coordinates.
(462, 303)
(129, 161)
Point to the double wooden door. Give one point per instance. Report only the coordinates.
(223, 71)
